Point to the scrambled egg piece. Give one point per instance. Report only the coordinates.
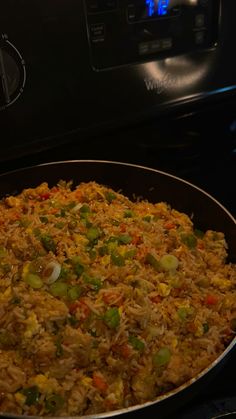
(32, 326)
(163, 289)
(221, 283)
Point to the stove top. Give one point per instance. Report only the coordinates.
(204, 154)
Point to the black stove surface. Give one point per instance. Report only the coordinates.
(198, 151)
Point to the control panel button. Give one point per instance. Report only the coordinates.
(144, 48)
(97, 32)
(166, 43)
(199, 20)
(131, 12)
(155, 45)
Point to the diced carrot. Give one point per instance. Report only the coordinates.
(157, 299)
(124, 350)
(99, 382)
(123, 227)
(169, 225)
(112, 298)
(82, 307)
(211, 299)
(44, 196)
(136, 239)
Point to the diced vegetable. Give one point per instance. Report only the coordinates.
(48, 243)
(59, 348)
(169, 262)
(136, 343)
(112, 318)
(128, 214)
(162, 357)
(117, 259)
(74, 292)
(124, 239)
(52, 272)
(182, 313)
(130, 254)
(85, 209)
(110, 196)
(33, 280)
(205, 327)
(43, 219)
(189, 240)
(211, 299)
(99, 382)
(147, 218)
(60, 225)
(199, 233)
(94, 282)
(54, 403)
(77, 265)
(32, 395)
(153, 262)
(59, 289)
(93, 234)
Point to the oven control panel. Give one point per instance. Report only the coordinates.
(131, 31)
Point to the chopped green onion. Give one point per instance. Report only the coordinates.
(74, 292)
(93, 234)
(117, 259)
(73, 320)
(54, 403)
(60, 225)
(85, 209)
(51, 272)
(77, 265)
(189, 240)
(59, 289)
(110, 196)
(94, 282)
(162, 357)
(182, 313)
(136, 343)
(32, 395)
(147, 218)
(43, 219)
(59, 348)
(112, 318)
(48, 243)
(153, 262)
(124, 239)
(199, 233)
(130, 254)
(206, 327)
(33, 280)
(169, 262)
(128, 214)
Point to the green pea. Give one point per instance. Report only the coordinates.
(33, 280)
(112, 318)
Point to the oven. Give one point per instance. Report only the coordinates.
(149, 82)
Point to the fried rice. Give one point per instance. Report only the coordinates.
(105, 302)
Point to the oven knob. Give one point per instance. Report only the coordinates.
(12, 73)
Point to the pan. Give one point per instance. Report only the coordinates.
(154, 185)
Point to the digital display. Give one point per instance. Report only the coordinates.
(157, 7)
(149, 9)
